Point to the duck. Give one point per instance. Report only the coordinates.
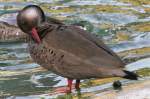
(9, 33)
(68, 50)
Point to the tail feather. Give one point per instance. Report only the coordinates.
(130, 75)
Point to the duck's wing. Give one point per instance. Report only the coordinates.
(97, 41)
(82, 45)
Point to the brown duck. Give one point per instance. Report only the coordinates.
(68, 50)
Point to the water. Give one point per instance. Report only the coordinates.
(124, 27)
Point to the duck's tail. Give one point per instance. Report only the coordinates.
(130, 75)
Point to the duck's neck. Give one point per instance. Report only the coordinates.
(44, 29)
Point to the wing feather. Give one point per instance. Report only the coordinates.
(78, 42)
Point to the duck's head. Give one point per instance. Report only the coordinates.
(29, 18)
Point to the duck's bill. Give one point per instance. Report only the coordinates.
(35, 35)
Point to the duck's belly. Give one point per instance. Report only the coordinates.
(48, 57)
(55, 61)
(41, 55)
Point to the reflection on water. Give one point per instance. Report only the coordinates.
(124, 27)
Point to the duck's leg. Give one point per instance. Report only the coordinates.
(65, 89)
(77, 85)
(69, 87)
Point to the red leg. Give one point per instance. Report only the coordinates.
(77, 85)
(69, 88)
(65, 89)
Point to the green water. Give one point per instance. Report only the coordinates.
(123, 26)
